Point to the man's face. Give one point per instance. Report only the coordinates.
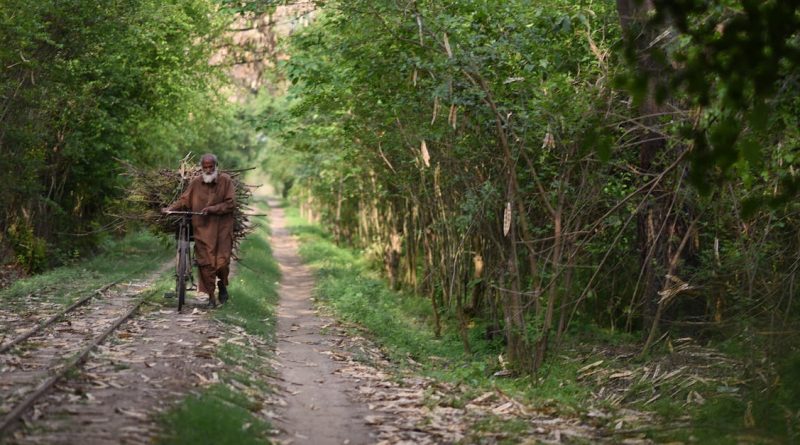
(208, 166)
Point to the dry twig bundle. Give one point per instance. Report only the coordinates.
(152, 190)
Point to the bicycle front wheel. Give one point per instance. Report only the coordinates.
(180, 280)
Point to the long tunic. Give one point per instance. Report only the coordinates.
(213, 233)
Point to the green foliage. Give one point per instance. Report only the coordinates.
(737, 62)
(426, 126)
(491, 90)
(86, 84)
(249, 7)
(30, 249)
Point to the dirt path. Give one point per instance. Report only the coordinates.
(340, 387)
(320, 402)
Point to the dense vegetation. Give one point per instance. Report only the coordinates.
(528, 168)
(532, 167)
(86, 85)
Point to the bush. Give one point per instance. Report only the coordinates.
(30, 251)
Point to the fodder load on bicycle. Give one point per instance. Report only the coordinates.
(152, 190)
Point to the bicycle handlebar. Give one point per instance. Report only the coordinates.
(180, 212)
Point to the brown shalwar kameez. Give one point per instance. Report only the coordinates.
(213, 233)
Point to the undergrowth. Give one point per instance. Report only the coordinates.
(402, 324)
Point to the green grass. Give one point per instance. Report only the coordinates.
(346, 285)
(216, 416)
(133, 256)
(220, 415)
(253, 288)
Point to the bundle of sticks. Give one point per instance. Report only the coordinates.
(153, 190)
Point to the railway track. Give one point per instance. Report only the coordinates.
(34, 361)
(47, 322)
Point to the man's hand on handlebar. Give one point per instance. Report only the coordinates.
(168, 211)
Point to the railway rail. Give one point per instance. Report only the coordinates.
(33, 362)
(27, 334)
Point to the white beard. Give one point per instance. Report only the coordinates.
(209, 178)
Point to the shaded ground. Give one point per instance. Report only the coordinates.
(149, 365)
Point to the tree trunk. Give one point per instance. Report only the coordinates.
(437, 327)
(652, 247)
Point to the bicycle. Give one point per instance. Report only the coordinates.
(183, 255)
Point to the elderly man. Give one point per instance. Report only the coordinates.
(211, 193)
